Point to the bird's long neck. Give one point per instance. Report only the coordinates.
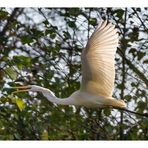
(52, 98)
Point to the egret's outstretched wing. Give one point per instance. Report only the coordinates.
(98, 60)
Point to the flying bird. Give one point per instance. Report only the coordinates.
(98, 72)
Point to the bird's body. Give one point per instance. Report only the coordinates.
(98, 72)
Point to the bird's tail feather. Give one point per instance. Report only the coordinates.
(116, 103)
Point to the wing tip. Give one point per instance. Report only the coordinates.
(102, 23)
(105, 23)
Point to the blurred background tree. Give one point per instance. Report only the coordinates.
(43, 46)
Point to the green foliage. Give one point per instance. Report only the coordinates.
(11, 73)
(26, 39)
(119, 13)
(20, 104)
(3, 14)
(93, 21)
(47, 52)
(22, 61)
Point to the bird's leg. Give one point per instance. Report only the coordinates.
(21, 89)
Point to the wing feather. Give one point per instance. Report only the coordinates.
(98, 68)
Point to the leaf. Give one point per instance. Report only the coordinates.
(3, 14)
(44, 135)
(36, 33)
(141, 106)
(138, 9)
(53, 35)
(134, 34)
(20, 103)
(51, 30)
(145, 61)
(133, 51)
(128, 97)
(74, 11)
(119, 13)
(22, 61)
(140, 55)
(26, 39)
(4, 100)
(12, 74)
(72, 24)
(66, 35)
(17, 136)
(107, 112)
(93, 21)
(46, 22)
(2, 74)
(144, 123)
(134, 84)
(120, 86)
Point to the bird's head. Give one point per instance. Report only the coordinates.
(34, 88)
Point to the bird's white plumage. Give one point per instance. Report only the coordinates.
(98, 68)
(98, 72)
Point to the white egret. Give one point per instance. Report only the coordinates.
(98, 72)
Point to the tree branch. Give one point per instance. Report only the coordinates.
(123, 45)
(133, 68)
(140, 19)
(133, 112)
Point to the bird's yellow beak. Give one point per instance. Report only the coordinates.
(21, 89)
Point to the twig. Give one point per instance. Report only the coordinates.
(123, 45)
(140, 19)
(10, 19)
(136, 70)
(133, 112)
